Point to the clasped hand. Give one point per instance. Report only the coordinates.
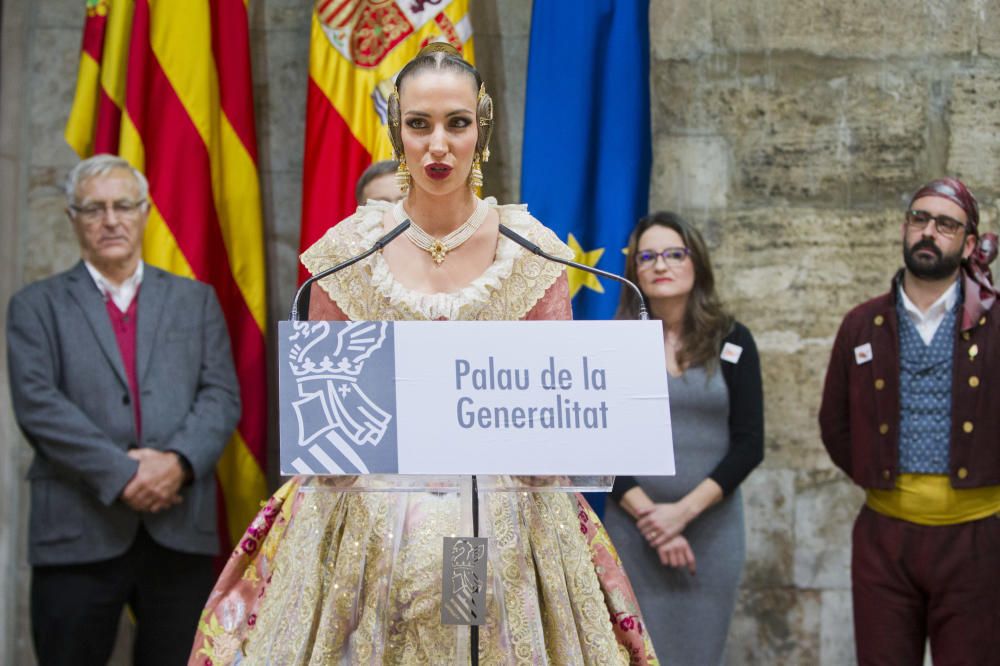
(661, 525)
(662, 522)
(157, 483)
(677, 553)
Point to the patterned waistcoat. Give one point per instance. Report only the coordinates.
(925, 377)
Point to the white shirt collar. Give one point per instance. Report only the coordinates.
(121, 294)
(938, 308)
(927, 322)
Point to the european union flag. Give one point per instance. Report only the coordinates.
(586, 158)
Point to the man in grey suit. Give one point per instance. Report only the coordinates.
(122, 381)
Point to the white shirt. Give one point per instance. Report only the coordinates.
(927, 322)
(121, 294)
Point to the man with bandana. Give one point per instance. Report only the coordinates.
(909, 414)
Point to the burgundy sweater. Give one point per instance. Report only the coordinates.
(124, 326)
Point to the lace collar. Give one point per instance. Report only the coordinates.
(359, 232)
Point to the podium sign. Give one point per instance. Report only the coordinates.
(455, 397)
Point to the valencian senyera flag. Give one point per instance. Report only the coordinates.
(166, 85)
(356, 49)
(586, 158)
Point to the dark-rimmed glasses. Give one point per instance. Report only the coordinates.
(672, 256)
(946, 226)
(97, 211)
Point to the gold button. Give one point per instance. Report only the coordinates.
(886, 474)
(879, 384)
(967, 426)
(973, 381)
(962, 472)
(982, 320)
(879, 319)
(965, 335)
(973, 351)
(884, 428)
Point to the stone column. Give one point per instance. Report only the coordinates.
(13, 173)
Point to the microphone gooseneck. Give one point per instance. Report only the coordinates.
(293, 314)
(534, 249)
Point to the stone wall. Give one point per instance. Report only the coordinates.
(791, 134)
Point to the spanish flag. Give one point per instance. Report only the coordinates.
(356, 49)
(167, 86)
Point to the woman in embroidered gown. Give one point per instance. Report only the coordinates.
(323, 576)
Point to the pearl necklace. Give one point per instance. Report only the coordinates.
(439, 248)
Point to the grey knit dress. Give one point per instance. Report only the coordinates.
(688, 616)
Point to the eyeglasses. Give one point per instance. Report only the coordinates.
(97, 211)
(946, 226)
(672, 256)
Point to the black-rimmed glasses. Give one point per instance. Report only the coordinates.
(947, 226)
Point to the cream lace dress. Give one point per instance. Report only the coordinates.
(330, 577)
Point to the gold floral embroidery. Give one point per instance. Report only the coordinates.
(250, 575)
(508, 289)
(355, 577)
(220, 646)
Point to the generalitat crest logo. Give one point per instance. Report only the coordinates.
(336, 419)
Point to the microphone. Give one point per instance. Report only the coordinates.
(293, 314)
(534, 249)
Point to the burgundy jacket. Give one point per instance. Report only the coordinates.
(859, 417)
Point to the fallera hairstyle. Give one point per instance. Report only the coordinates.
(706, 323)
(380, 168)
(102, 165)
(442, 56)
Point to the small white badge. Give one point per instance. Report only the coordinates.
(731, 352)
(863, 353)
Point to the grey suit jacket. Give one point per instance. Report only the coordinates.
(71, 400)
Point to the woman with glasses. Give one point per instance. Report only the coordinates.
(681, 538)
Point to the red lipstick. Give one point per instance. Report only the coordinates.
(437, 171)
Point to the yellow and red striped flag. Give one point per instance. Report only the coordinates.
(356, 49)
(167, 86)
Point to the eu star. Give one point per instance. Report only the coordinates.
(578, 278)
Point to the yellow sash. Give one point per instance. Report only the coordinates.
(929, 499)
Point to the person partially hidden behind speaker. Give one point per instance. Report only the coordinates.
(123, 384)
(378, 182)
(344, 577)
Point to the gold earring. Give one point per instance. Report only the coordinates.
(403, 176)
(476, 175)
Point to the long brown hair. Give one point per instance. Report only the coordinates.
(706, 323)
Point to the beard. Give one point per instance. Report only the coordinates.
(939, 267)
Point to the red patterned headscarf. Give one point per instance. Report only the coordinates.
(977, 267)
(956, 192)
